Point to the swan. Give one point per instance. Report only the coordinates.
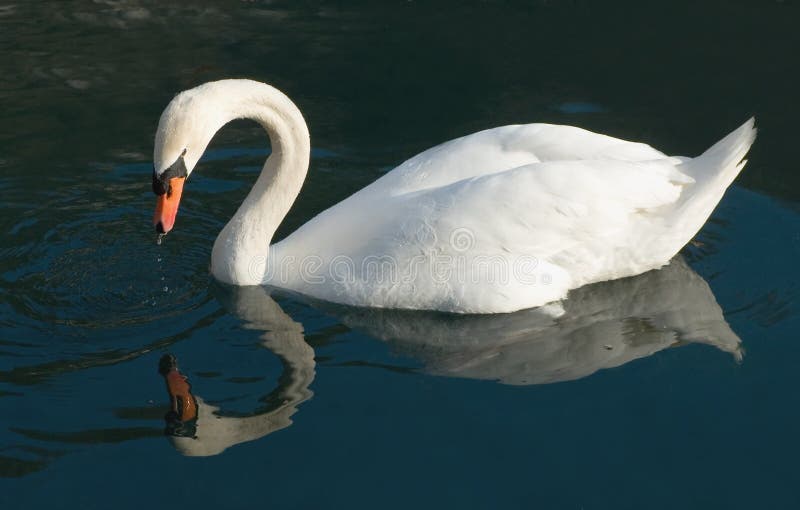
(501, 220)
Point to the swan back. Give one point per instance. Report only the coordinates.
(496, 150)
(502, 220)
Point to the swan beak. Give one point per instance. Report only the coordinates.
(167, 206)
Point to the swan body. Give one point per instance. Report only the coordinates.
(497, 221)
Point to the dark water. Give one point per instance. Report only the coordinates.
(676, 389)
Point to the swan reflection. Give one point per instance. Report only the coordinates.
(600, 326)
(214, 432)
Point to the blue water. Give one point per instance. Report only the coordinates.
(674, 389)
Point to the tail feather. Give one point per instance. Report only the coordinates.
(713, 171)
(721, 163)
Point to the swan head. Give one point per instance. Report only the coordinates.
(184, 131)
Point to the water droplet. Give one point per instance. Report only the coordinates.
(166, 288)
(160, 238)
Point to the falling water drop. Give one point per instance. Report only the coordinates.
(159, 258)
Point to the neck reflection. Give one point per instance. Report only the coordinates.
(214, 432)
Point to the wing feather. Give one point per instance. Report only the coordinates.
(500, 149)
(574, 214)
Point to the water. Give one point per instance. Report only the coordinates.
(673, 389)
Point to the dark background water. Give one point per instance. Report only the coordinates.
(89, 303)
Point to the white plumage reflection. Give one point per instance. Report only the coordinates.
(600, 326)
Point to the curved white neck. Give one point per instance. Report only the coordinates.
(240, 251)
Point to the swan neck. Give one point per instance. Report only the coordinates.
(240, 251)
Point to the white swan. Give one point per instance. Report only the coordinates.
(497, 221)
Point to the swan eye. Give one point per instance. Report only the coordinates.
(158, 185)
(161, 182)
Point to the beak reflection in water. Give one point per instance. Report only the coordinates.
(181, 419)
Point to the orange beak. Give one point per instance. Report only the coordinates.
(167, 206)
(182, 401)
